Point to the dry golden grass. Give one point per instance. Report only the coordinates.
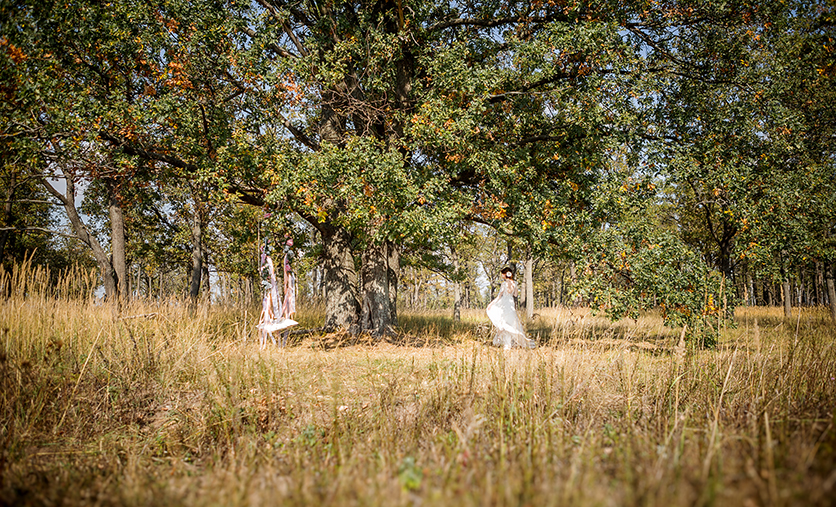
(163, 405)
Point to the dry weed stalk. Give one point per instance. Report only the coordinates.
(178, 407)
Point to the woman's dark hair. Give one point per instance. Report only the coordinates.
(509, 270)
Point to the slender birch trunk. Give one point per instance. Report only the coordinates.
(529, 285)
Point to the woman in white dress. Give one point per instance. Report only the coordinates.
(503, 315)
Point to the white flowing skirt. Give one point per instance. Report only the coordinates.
(509, 329)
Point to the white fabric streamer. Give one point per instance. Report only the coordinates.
(276, 325)
(503, 315)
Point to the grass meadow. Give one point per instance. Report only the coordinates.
(161, 404)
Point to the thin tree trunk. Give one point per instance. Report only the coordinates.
(102, 258)
(117, 241)
(457, 286)
(787, 295)
(529, 285)
(818, 282)
(207, 282)
(393, 274)
(7, 215)
(800, 288)
(416, 291)
(573, 278)
(747, 293)
(831, 290)
(197, 256)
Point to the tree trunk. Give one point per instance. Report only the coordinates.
(117, 241)
(197, 256)
(726, 243)
(573, 279)
(341, 305)
(102, 259)
(529, 285)
(393, 274)
(802, 288)
(416, 290)
(747, 282)
(787, 295)
(376, 316)
(7, 216)
(831, 290)
(207, 282)
(457, 286)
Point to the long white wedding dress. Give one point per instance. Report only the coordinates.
(503, 315)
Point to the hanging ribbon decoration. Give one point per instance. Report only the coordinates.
(269, 323)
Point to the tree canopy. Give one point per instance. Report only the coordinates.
(664, 148)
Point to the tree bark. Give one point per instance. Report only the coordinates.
(529, 285)
(831, 290)
(376, 316)
(747, 283)
(725, 242)
(7, 215)
(457, 286)
(117, 241)
(573, 279)
(393, 274)
(102, 259)
(416, 290)
(197, 255)
(340, 278)
(818, 283)
(787, 295)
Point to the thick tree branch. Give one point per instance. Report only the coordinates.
(58, 195)
(285, 26)
(41, 230)
(248, 195)
(499, 97)
(82, 233)
(33, 201)
(707, 211)
(650, 41)
(272, 46)
(476, 219)
(547, 138)
(298, 134)
(296, 42)
(132, 149)
(494, 22)
(163, 219)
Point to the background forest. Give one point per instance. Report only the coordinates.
(624, 155)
